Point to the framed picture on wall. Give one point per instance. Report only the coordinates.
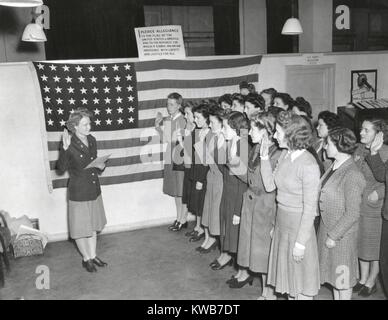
(364, 85)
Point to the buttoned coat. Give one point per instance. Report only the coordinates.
(83, 184)
(340, 199)
(339, 204)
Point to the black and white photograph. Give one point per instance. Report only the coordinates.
(194, 156)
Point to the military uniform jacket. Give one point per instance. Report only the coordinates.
(83, 183)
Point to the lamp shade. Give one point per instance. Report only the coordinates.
(21, 3)
(292, 27)
(33, 32)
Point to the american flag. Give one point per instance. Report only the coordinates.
(124, 98)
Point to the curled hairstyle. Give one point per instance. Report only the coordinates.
(344, 140)
(304, 106)
(379, 125)
(227, 98)
(238, 121)
(264, 120)
(239, 97)
(75, 118)
(257, 100)
(203, 109)
(218, 112)
(330, 119)
(176, 96)
(298, 131)
(270, 91)
(286, 98)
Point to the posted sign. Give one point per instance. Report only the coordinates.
(160, 42)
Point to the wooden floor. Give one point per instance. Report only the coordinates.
(143, 264)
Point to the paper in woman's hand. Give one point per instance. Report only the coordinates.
(98, 162)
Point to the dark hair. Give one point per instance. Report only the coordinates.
(238, 121)
(218, 112)
(286, 98)
(379, 125)
(176, 96)
(243, 85)
(271, 91)
(203, 109)
(210, 102)
(76, 116)
(239, 97)
(251, 88)
(298, 131)
(264, 120)
(257, 100)
(227, 98)
(344, 140)
(330, 119)
(304, 106)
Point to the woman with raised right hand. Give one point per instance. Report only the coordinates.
(86, 209)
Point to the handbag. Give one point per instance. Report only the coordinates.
(176, 166)
(27, 245)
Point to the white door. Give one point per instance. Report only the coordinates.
(314, 83)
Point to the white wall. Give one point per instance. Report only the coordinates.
(23, 188)
(273, 72)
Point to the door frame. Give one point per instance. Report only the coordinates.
(330, 67)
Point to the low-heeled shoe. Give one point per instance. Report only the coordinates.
(179, 226)
(98, 262)
(197, 237)
(220, 267)
(239, 284)
(89, 266)
(366, 291)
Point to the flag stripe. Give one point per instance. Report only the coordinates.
(136, 152)
(113, 144)
(186, 93)
(117, 162)
(205, 74)
(62, 183)
(119, 153)
(195, 84)
(117, 171)
(111, 135)
(196, 65)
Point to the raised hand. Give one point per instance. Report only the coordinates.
(66, 139)
(264, 146)
(377, 143)
(158, 119)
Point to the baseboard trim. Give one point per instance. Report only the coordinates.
(121, 228)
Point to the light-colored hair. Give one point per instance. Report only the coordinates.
(75, 118)
(264, 120)
(298, 131)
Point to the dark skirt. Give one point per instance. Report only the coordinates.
(187, 186)
(197, 199)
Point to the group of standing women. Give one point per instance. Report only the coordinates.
(300, 210)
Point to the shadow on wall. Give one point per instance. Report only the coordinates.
(12, 24)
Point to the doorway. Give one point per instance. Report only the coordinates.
(314, 83)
